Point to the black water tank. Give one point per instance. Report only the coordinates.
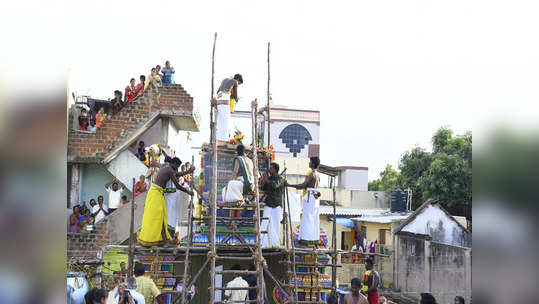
(398, 201)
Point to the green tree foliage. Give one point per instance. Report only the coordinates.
(412, 165)
(444, 174)
(390, 179)
(448, 179)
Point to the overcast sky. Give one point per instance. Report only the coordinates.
(384, 74)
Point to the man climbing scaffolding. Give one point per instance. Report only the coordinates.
(309, 231)
(227, 96)
(154, 230)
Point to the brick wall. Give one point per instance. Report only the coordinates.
(170, 99)
(86, 245)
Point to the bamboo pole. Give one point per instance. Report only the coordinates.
(213, 191)
(268, 97)
(187, 261)
(260, 259)
(131, 235)
(292, 241)
(334, 242)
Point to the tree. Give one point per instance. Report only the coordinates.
(412, 165)
(448, 179)
(445, 174)
(390, 179)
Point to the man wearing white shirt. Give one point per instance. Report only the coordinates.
(98, 211)
(115, 194)
(236, 295)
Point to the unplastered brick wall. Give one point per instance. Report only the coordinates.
(87, 245)
(170, 99)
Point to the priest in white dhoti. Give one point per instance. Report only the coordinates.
(227, 96)
(241, 179)
(272, 186)
(309, 231)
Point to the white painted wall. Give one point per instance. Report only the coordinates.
(434, 221)
(125, 167)
(353, 179)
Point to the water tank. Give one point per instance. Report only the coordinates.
(398, 201)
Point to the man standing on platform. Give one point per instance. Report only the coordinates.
(154, 230)
(227, 96)
(309, 231)
(273, 189)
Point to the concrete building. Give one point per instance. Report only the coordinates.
(380, 227)
(432, 220)
(159, 116)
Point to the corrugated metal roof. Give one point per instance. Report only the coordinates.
(352, 211)
(382, 219)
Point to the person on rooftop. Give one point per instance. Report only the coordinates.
(130, 91)
(117, 103)
(309, 232)
(153, 79)
(91, 127)
(168, 70)
(101, 117)
(227, 96)
(140, 87)
(83, 120)
(158, 71)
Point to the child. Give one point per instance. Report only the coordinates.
(101, 117)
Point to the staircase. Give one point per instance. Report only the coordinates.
(171, 101)
(118, 222)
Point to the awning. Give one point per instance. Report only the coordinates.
(345, 222)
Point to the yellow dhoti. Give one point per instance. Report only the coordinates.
(154, 219)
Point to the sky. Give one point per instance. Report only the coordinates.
(385, 75)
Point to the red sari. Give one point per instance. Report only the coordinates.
(130, 93)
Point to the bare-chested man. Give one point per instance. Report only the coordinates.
(154, 229)
(355, 297)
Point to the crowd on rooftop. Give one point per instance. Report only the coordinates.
(101, 112)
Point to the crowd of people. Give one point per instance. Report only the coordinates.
(139, 289)
(95, 118)
(84, 217)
